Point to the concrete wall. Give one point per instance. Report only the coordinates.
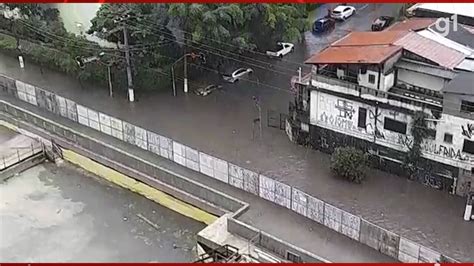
(281, 194)
(269, 242)
(341, 115)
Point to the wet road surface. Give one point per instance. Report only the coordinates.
(221, 124)
(61, 214)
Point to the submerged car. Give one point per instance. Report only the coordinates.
(343, 12)
(237, 74)
(207, 90)
(283, 48)
(323, 24)
(381, 23)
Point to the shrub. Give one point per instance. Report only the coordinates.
(349, 163)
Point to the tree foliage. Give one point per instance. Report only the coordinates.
(349, 163)
(419, 131)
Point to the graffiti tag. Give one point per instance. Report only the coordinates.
(337, 121)
(468, 131)
(345, 109)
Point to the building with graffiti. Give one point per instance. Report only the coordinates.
(366, 88)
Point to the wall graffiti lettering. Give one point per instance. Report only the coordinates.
(337, 121)
(468, 131)
(405, 141)
(448, 152)
(345, 109)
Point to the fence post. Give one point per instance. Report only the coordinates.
(18, 154)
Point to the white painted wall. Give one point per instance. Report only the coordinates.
(420, 79)
(341, 115)
(364, 79)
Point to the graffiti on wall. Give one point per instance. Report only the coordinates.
(337, 121)
(448, 152)
(377, 118)
(345, 109)
(468, 131)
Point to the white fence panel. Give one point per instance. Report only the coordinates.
(117, 128)
(82, 116)
(72, 110)
(62, 106)
(166, 147)
(251, 181)
(30, 94)
(315, 209)
(153, 142)
(20, 89)
(104, 121)
(408, 251)
(332, 217)
(221, 170)
(236, 177)
(93, 119)
(299, 203)
(140, 138)
(267, 188)
(206, 164)
(179, 153)
(350, 225)
(283, 194)
(128, 133)
(192, 159)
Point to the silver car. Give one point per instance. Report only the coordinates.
(237, 74)
(207, 90)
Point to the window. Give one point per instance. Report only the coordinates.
(362, 117)
(448, 138)
(372, 78)
(395, 126)
(467, 106)
(468, 146)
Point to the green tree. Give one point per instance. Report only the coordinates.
(419, 131)
(349, 163)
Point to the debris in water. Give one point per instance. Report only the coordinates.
(148, 221)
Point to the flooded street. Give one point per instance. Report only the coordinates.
(60, 214)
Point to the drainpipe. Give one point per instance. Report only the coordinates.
(378, 80)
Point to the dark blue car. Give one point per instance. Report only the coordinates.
(323, 24)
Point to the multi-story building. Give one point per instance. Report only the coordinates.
(367, 87)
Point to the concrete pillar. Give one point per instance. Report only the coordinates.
(468, 211)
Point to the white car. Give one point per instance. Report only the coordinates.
(343, 12)
(283, 49)
(236, 75)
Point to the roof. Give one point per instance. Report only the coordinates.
(457, 33)
(463, 9)
(466, 65)
(432, 35)
(413, 24)
(462, 84)
(370, 38)
(431, 50)
(354, 54)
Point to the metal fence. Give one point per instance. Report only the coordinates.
(19, 154)
(263, 186)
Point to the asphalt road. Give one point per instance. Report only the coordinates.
(61, 214)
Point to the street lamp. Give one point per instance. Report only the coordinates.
(193, 56)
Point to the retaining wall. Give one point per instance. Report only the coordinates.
(265, 187)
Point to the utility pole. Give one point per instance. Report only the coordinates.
(131, 96)
(257, 121)
(185, 74)
(109, 76)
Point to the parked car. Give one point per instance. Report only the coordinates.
(323, 24)
(237, 74)
(204, 91)
(343, 12)
(283, 48)
(381, 23)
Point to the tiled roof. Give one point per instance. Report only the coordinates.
(414, 24)
(431, 50)
(354, 54)
(362, 38)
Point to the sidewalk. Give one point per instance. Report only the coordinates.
(429, 217)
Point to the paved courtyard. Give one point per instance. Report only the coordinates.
(61, 214)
